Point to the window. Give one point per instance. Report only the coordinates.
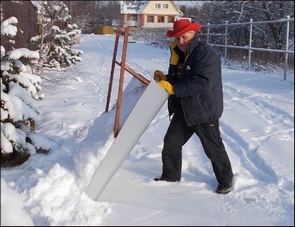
(171, 19)
(150, 19)
(165, 6)
(157, 5)
(161, 19)
(132, 18)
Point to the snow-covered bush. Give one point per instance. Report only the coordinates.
(19, 93)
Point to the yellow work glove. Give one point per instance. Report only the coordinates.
(166, 85)
(158, 75)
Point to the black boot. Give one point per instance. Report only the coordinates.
(164, 179)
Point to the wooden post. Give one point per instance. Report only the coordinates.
(113, 68)
(121, 79)
(136, 75)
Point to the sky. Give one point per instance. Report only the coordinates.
(257, 128)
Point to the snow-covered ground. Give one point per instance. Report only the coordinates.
(257, 128)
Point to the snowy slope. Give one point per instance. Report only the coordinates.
(257, 128)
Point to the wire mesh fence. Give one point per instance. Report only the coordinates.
(255, 45)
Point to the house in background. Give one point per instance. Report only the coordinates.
(149, 14)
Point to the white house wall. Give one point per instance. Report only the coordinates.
(133, 23)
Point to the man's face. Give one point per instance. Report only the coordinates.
(184, 40)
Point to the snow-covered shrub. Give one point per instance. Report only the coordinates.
(19, 93)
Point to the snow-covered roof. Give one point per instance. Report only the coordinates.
(135, 7)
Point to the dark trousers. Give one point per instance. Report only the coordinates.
(179, 133)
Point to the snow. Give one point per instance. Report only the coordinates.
(133, 7)
(257, 128)
(8, 27)
(22, 52)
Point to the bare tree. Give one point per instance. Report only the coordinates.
(90, 14)
(218, 12)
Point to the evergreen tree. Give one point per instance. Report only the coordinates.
(56, 36)
(19, 93)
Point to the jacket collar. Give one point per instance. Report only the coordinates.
(194, 43)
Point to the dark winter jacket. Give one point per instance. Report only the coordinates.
(199, 91)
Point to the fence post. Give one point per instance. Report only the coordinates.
(287, 48)
(226, 42)
(208, 32)
(250, 41)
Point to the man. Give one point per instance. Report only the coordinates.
(196, 103)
